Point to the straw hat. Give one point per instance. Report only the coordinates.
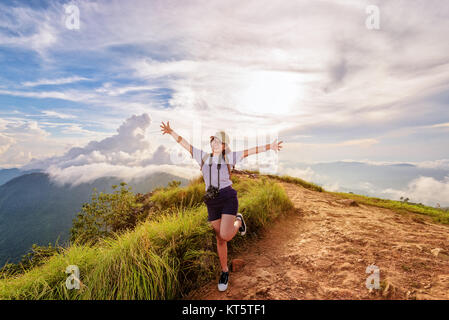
(222, 136)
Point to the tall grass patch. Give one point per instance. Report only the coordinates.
(164, 257)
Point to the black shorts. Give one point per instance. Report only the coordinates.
(225, 203)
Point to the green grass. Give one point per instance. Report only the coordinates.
(163, 258)
(298, 181)
(178, 197)
(438, 215)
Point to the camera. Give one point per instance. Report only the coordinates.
(211, 193)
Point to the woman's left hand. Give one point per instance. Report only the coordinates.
(276, 146)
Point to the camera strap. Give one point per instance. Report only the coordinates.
(218, 169)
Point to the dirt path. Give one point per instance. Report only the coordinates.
(323, 249)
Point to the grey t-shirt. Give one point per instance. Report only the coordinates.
(232, 158)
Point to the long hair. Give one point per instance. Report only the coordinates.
(226, 150)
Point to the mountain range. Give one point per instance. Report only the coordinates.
(34, 209)
(428, 185)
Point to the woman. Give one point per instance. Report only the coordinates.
(222, 208)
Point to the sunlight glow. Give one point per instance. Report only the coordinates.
(271, 92)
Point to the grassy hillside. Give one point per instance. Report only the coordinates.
(174, 250)
(165, 257)
(34, 210)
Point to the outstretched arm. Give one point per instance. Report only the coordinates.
(166, 129)
(276, 146)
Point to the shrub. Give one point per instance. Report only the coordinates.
(174, 197)
(35, 257)
(107, 213)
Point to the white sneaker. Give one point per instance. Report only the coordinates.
(223, 282)
(242, 229)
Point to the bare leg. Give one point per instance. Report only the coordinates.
(229, 226)
(225, 229)
(222, 249)
(222, 245)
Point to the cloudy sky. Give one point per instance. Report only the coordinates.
(311, 72)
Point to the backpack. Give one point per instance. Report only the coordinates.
(203, 160)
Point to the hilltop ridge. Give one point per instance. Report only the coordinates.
(302, 243)
(322, 251)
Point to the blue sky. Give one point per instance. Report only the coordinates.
(310, 71)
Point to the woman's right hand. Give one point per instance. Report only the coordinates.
(166, 128)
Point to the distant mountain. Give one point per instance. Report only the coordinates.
(403, 165)
(9, 174)
(33, 209)
(374, 180)
(352, 175)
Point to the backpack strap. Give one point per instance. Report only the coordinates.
(204, 160)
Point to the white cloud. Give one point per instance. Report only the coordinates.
(441, 125)
(331, 187)
(434, 164)
(129, 139)
(337, 74)
(357, 142)
(56, 114)
(59, 81)
(148, 68)
(77, 129)
(70, 95)
(75, 175)
(426, 190)
(367, 187)
(318, 49)
(429, 164)
(25, 129)
(311, 46)
(127, 154)
(111, 90)
(5, 143)
(33, 29)
(27, 139)
(306, 174)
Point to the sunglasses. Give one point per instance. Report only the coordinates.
(212, 139)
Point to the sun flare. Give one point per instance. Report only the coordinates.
(271, 92)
